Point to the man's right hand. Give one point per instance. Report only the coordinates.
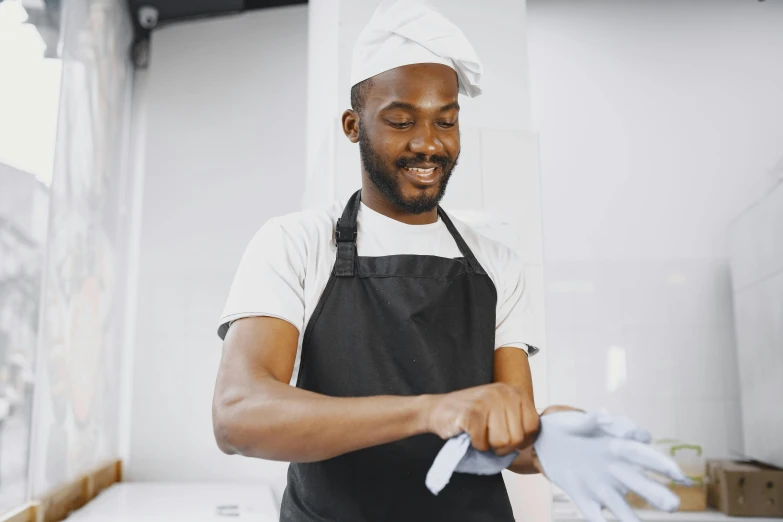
(497, 416)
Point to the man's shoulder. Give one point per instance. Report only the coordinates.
(487, 234)
(309, 224)
(315, 216)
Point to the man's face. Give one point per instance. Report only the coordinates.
(409, 134)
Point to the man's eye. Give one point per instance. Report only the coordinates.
(401, 124)
(446, 124)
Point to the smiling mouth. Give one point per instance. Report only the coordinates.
(421, 175)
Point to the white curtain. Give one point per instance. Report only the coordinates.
(77, 392)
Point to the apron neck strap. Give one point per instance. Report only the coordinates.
(345, 236)
(346, 231)
(475, 266)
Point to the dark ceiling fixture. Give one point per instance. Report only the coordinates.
(151, 14)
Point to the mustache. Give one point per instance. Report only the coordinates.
(441, 161)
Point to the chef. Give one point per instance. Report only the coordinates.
(359, 337)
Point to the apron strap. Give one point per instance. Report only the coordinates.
(346, 231)
(473, 263)
(345, 235)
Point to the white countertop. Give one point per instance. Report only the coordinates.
(565, 511)
(259, 502)
(180, 502)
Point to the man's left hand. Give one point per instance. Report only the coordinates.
(596, 459)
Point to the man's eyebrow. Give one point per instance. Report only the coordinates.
(399, 105)
(411, 107)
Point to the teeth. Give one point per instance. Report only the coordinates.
(425, 171)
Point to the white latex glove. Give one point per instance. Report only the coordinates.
(597, 459)
(458, 456)
(621, 427)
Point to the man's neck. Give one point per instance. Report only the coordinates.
(373, 199)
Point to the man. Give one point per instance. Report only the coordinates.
(399, 326)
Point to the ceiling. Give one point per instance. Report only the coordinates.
(176, 10)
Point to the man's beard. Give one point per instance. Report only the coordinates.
(389, 185)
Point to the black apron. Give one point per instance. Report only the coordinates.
(396, 325)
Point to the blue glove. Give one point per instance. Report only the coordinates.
(597, 459)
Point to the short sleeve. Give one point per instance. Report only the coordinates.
(269, 280)
(515, 325)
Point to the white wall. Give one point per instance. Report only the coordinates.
(225, 116)
(658, 122)
(756, 241)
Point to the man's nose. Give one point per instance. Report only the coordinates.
(426, 141)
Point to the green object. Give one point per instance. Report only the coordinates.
(697, 480)
(678, 447)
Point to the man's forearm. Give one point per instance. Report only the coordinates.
(280, 422)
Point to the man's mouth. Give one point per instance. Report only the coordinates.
(428, 175)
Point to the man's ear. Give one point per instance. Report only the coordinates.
(351, 125)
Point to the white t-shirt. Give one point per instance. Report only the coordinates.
(288, 262)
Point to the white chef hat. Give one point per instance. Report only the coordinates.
(403, 32)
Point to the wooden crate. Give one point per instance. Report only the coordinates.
(692, 498)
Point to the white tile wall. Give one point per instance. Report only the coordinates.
(534, 280)
(579, 372)
(756, 245)
(734, 439)
(657, 414)
(701, 360)
(760, 360)
(671, 321)
(652, 363)
(635, 207)
(704, 421)
(756, 241)
(503, 152)
(465, 184)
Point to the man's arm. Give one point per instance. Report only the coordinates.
(257, 414)
(511, 367)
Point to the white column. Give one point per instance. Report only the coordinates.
(496, 185)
